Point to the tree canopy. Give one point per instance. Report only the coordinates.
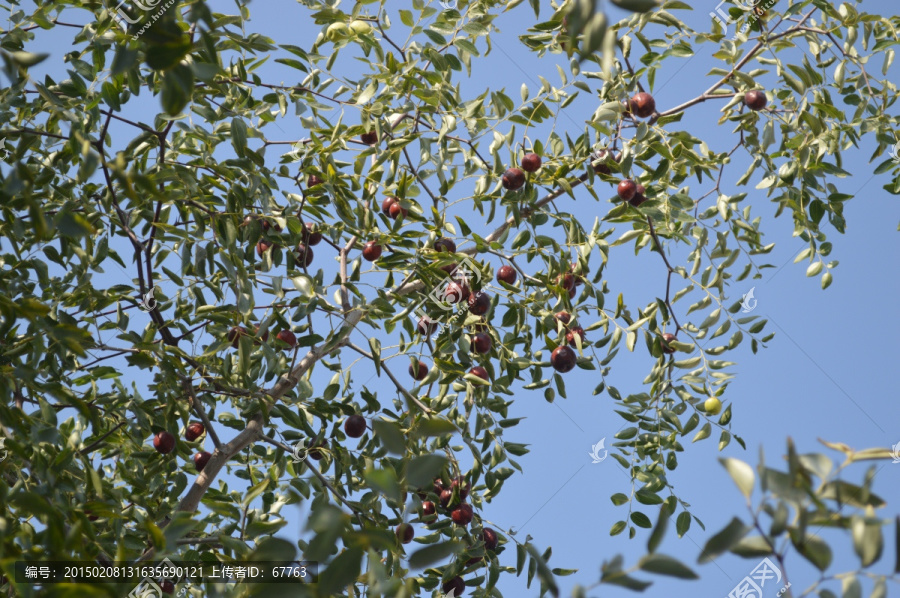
(344, 320)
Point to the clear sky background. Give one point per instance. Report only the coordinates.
(828, 373)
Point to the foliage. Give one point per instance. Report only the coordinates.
(797, 508)
(206, 215)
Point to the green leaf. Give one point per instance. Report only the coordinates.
(618, 578)
(435, 426)
(434, 553)
(73, 225)
(543, 571)
(166, 55)
(868, 541)
(704, 432)
(618, 527)
(812, 548)
(683, 523)
(850, 494)
(26, 59)
(179, 526)
(619, 499)
(724, 540)
(637, 5)
(239, 135)
(177, 87)
(741, 473)
(273, 549)
(659, 531)
(666, 565)
(752, 547)
(385, 481)
(123, 61)
(641, 520)
(375, 346)
(390, 436)
(897, 544)
(341, 572)
(850, 587)
(422, 470)
(646, 497)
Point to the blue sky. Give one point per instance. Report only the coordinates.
(826, 374)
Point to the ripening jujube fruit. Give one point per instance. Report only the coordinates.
(310, 235)
(455, 586)
(313, 180)
(507, 274)
(626, 189)
(531, 162)
(563, 359)
(462, 514)
(445, 244)
(481, 342)
(755, 100)
(304, 254)
(638, 197)
(666, 339)
(513, 179)
(201, 459)
(194, 431)
(371, 251)
(163, 442)
(479, 303)
(418, 371)
(643, 104)
(480, 372)
(405, 532)
(490, 538)
(355, 426)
